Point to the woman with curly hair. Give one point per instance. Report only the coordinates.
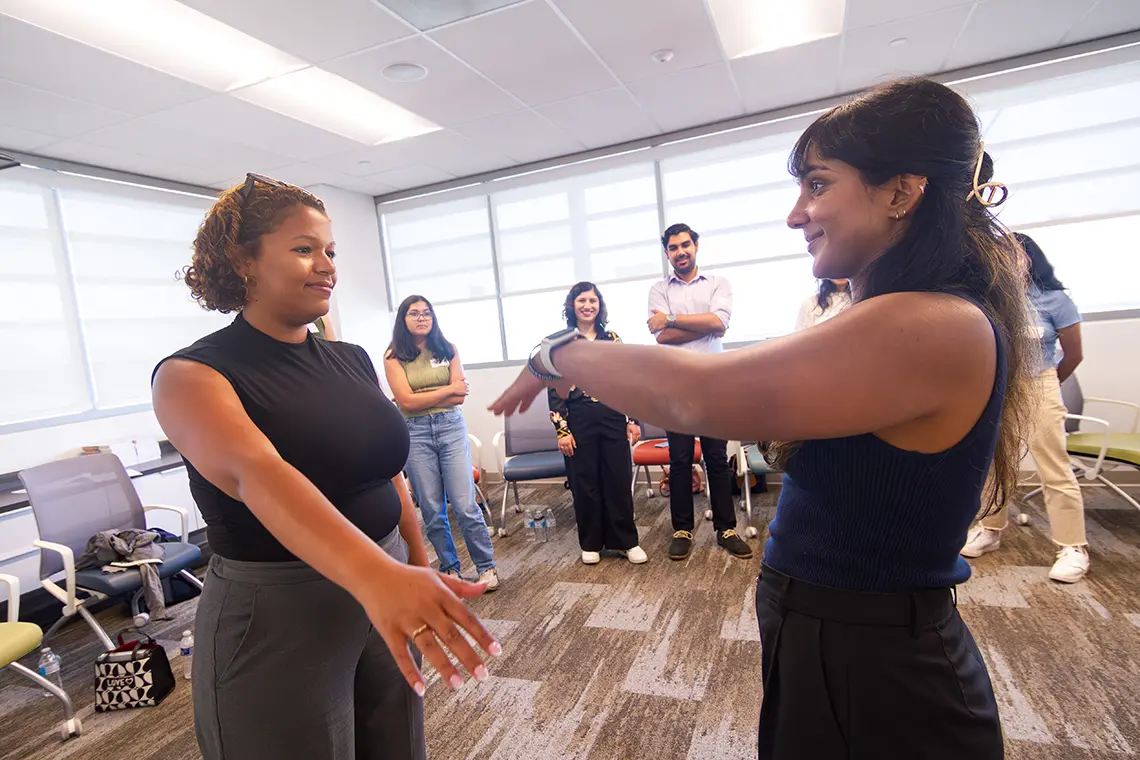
(318, 588)
(595, 441)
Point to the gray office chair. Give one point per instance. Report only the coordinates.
(72, 500)
(527, 449)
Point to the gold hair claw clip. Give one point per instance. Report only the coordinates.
(987, 192)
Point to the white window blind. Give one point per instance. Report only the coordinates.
(598, 227)
(442, 252)
(125, 253)
(42, 369)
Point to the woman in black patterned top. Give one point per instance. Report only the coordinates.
(595, 441)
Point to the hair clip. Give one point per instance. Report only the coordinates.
(987, 191)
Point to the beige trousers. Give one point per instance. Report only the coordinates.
(1061, 491)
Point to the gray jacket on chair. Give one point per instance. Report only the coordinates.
(129, 545)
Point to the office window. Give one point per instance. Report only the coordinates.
(473, 326)
(1095, 260)
(599, 227)
(42, 366)
(442, 252)
(125, 253)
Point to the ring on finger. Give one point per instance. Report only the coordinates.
(419, 632)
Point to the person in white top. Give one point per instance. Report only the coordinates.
(833, 297)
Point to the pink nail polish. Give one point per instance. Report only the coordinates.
(455, 681)
(419, 689)
(481, 673)
(495, 649)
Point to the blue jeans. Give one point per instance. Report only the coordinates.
(439, 466)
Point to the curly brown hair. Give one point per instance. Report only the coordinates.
(229, 235)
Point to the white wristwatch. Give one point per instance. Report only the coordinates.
(546, 347)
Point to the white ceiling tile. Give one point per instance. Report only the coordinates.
(39, 111)
(524, 136)
(37, 58)
(1107, 17)
(226, 118)
(218, 158)
(625, 33)
(528, 50)
(442, 149)
(308, 30)
(127, 161)
(14, 138)
(601, 118)
(687, 98)
(1000, 29)
(864, 13)
(450, 94)
(764, 82)
(411, 176)
(869, 58)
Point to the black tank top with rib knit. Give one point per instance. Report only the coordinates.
(320, 404)
(858, 513)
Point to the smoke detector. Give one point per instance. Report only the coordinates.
(662, 56)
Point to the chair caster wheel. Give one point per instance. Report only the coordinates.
(503, 533)
(518, 509)
(566, 484)
(491, 531)
(750, 532)
(1023, 519)
(708, 514)
(69, 728)
(649, 494)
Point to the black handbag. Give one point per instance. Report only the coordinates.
(133, 674)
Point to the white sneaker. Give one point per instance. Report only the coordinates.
(1071, 565)
(981, 541)
(454, 574)
(636, 555)
(491, 577)
(591, 558)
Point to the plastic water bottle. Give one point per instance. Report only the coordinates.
(186, 649)
(49, 669)
(549, 520)
(531, 526)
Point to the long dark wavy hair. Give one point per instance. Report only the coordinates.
(1040, 270)
(568, 307)
(953, 243)
(403, 345)
(827, 288)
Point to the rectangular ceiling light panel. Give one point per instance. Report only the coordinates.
(172, 38)
(751, 27)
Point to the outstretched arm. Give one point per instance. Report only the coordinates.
(903, 357)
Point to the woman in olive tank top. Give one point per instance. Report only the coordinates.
(426, 376)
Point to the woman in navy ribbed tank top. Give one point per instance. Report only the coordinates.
(864, 653)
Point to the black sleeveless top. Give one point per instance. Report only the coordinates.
(320, 404)
(857, 513)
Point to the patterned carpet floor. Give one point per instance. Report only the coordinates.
(663, 660)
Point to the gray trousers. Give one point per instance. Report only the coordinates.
(287, 665)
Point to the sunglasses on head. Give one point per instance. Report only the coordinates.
(252, 179)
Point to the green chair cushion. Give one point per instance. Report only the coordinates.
(17, 640)
(756, 463)
(1122, 447)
